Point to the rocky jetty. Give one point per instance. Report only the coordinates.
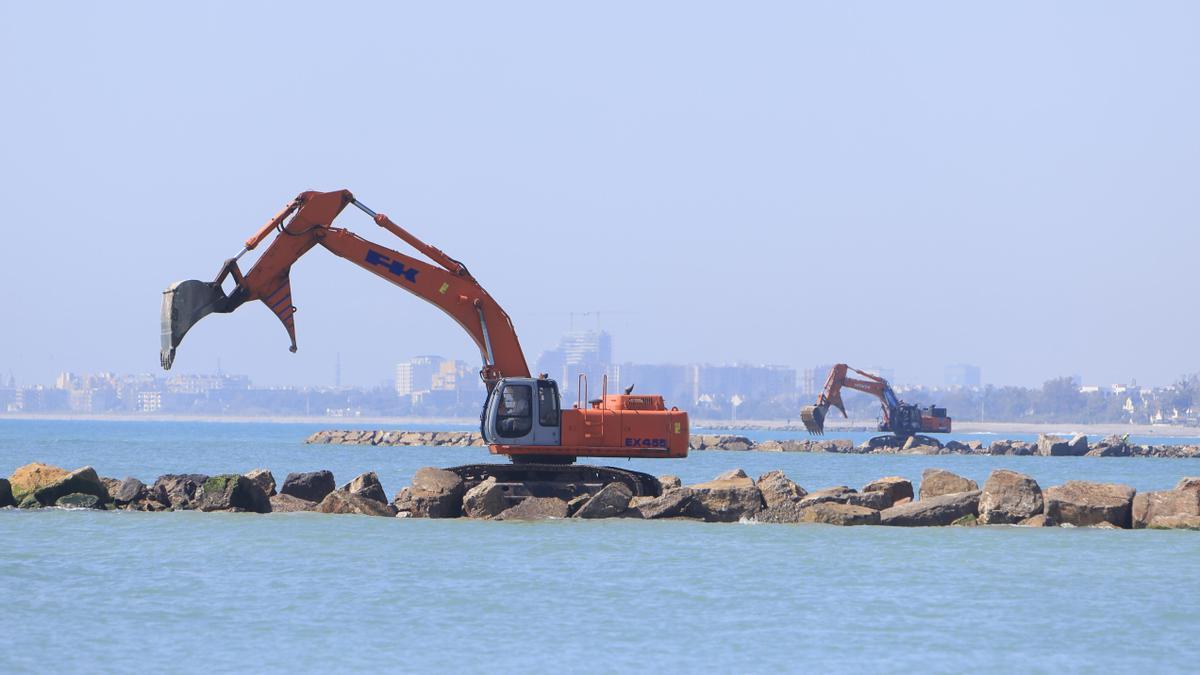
(944, 499)
(1047, 445)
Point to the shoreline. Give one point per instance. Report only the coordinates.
(1065, 428)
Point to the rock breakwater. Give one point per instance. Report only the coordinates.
(1047, 445)
(1006, 498)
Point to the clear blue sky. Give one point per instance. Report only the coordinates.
(900, 184)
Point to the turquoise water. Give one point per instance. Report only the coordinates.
(189, 592)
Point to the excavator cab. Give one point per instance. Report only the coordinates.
(523, 411)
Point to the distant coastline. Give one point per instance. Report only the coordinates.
(1097, 430)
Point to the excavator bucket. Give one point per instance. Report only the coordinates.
(813, 417)
(184, 303)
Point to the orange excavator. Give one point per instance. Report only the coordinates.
(522, 416)
(903, 420)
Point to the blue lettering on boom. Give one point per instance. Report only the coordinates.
(409, 274)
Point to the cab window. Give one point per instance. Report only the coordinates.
(515, 412)
(547, 403)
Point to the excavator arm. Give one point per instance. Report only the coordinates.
(307, 222)
(814, 416)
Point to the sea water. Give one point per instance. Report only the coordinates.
(189, 592)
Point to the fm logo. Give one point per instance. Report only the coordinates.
(645, 442)
(409, 274)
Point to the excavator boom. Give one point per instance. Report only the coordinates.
(522, 416)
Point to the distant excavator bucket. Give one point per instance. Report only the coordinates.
(813, 417)
(184, 303)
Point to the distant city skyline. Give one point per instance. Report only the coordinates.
(922, 184)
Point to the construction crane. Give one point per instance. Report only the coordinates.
(903, 420)
(522, 417)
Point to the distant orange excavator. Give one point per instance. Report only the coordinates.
(903, 420)
(522, 416)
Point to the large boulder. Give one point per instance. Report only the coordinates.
(837, 493)
(938, 482)
(1175, 523)
(777, 488)
(1083, 503)
(178, 490)
(367, 485)
(612, 500)
(264, 479)
(934, 511)
(6, 495)
(1009, 497)
(782, 512)
(669, 482)
(678, 503)
(1148, 506)
(232, 492)
(290, 504)
(341, 502)
(896, 489)
(1188, 483)
(535, 508)
(833, 513)
(1057, 446)
(728, 498)
(435, 493)
(79, 500)
(485, 500)
(129, 491)
(311, 485)
(83, 481)
(27, 479)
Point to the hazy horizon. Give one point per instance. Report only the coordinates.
(909, 186)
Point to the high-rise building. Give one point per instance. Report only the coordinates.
(416, 374)
(587, 351)
(962, 375)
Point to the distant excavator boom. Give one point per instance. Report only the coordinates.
(899, 418)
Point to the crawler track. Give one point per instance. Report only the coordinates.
(565, 481)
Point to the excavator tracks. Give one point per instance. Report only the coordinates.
(564, 481)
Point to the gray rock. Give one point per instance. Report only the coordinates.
(1083, 503)
(896, 489)
(781, 513)
(1056, 446)
(777, 488)
(347, 503)
(131, 490)
(435, 493)
(79, 500)
(938, 482)
(178, 491)
(833, 513)
(29, 502)
(876, 501)
(312, 486)
(367, 485)
(679, 503)
(84, 481)
(485, 500)
(612, 500)
(1148, 506)
(669, 482)
(264, 479)
(1009, 497)
(935, 511)
(232, 492)
(6, 495)
(290, 504)
(535, 508)
(839, 493)
(576, 502)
